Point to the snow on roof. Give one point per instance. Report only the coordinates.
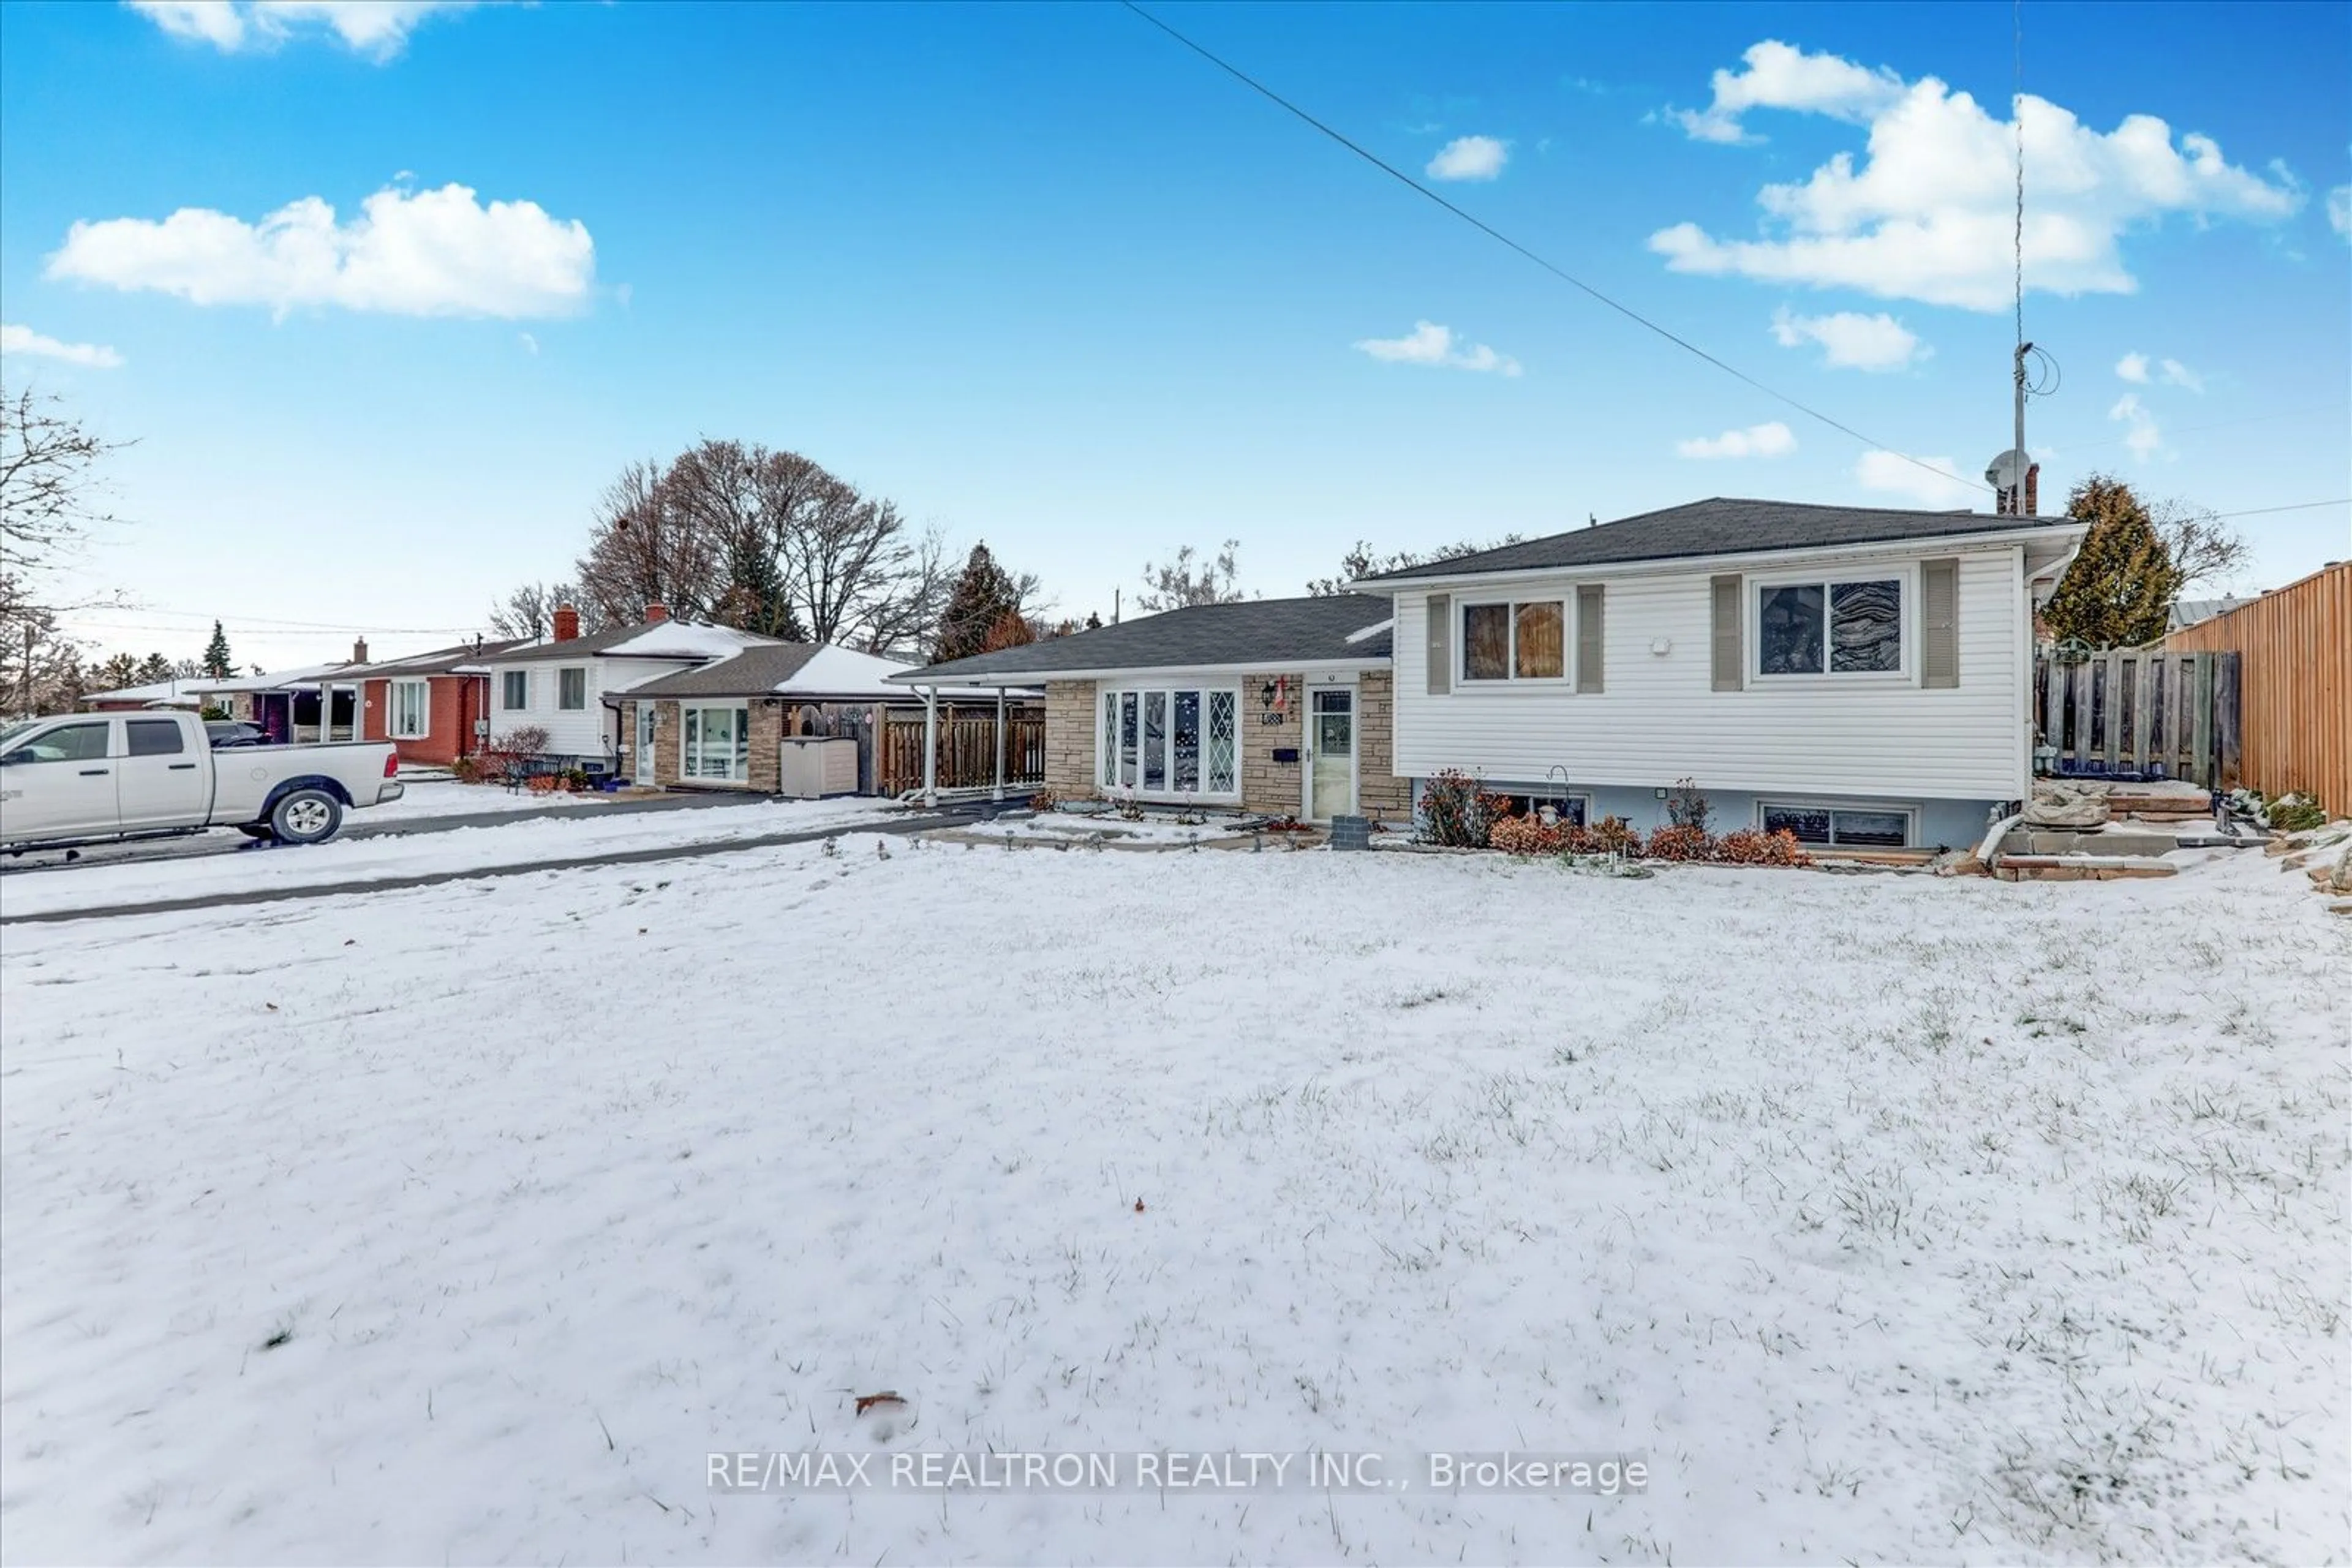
(155, 691)
(681, 639)
(797, 671)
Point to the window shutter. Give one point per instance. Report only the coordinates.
(1729, 651)
(1940, 621)
(1588, 638)
(1441, 644)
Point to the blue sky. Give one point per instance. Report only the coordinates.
(1049, 279)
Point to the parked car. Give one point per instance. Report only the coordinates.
(95, 778)
(233, 732)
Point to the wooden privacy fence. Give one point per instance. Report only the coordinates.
(2157, 714)
(967, 749)
(2295, 647)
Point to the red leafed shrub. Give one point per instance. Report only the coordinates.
(1680, 843)
(1455, 811)
(1610, 836)
(546, 783)
(1528, 835)
(1746, 847)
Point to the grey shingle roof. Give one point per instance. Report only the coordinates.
(440, 661)
(1264, 633)
(746, 674)
(574, 648)
(1721, 526)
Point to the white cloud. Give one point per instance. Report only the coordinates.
(378, 28)
(1429, 343)
(2339, 210)
(1927, 214)
(1778, 75)
(2140, 370)
(1469, 158)
(411, 253)
(16, 340)
(530, 344)
(1898, 475)
(2142, 436)
(1850, 341)
(1772, 440)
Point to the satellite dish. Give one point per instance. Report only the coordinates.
(2007, 471)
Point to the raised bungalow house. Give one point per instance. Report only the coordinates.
(724, 724)
(1279, 706)
(569, 684)
(433, 706)
(1860, 676)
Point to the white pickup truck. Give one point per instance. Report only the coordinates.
(96, 778)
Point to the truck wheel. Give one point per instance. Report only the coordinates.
(306, 816)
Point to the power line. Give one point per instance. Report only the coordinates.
(250, 622)
(1562, 274)
(2298, 506)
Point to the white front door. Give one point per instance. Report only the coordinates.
(158, 781)
(1331, 744)
(645, 758)
(60, 783)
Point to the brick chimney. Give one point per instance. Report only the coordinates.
(657, 612)
(359, 650)
(2033, 490)
(567, 623)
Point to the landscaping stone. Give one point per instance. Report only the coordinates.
(2065, 805)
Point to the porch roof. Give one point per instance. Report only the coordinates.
(805, 672)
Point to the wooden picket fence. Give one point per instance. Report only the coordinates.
(967, 749)
(2142, 711)
(2296, 644)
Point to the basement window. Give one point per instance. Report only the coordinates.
(1840, 826)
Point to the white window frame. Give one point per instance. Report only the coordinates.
(1465, 680)
(689, 740)
(394, 726)
(1906, 573)
(1909, 813)
(1109, 704)
(561, 705)
(506, 690)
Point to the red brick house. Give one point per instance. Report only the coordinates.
(430, 706)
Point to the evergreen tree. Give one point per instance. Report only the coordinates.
(154, 669)
(984, 598)
(2119, 591)
(755, 598)
(115, 673)
(215, 661)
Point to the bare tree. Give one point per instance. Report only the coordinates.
(48, 489)
(644, 548)
(1362, 562)
(529, 610)
(856, 574)
(1192, 579)
(2204, 549)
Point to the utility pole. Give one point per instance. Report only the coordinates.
(26, 683)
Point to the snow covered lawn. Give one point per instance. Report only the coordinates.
(1889, 1218)
(529, 842)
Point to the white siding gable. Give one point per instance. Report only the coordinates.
(1659, 720)
(574, 732)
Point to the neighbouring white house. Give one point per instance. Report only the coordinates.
(569, 684)
(1861, 676)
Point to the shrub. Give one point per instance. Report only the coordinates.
(1610, 836)
(1686, 807)
(467, 769)
(1455, 812)
(523, 742)
(544, 784)
(1679, 841)
(1527, 834)
(2294, 813)
(1042, 800)
(577, 781)
(1746, 847)
(213, 713)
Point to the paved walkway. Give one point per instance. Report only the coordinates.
(944, 817)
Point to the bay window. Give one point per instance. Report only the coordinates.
(716, 744)
(1168, 741)
(410, 718)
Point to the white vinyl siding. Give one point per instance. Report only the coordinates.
(411, 715)
(587, 731)
(1660, 717)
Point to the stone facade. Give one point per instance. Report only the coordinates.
(767, 732)
(1070, 709)
(1268, 785)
